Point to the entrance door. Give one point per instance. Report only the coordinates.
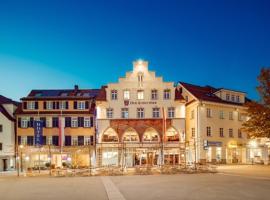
(4, 164)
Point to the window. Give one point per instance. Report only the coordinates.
(49, 105)
(239, 133)
(24, 123)
(231, 132)
(230, 115)
(208, 112)
(154, 94)
(167, 94)
(124, 113)
(221, 114)
(87, 122)
(109, 113)
(140, 79)
(239, 116)
(114, 94)
(171, 112)
(232, 97)
(192, 114)
(140, 112)
(1, 146)
(221, 132)
(1, 128)
(193, 132)
(74, 122)
(48, 122)
(88, 140)
(237, 99)
(140, 94)
(49, 140)
(208, 131)
(126, 94)
(81, 140)
(23, 140)
(74, 141)
(62, 105)
(55, 122)
(31, 105)
(155, 112)
(228, 97)
(81, 105)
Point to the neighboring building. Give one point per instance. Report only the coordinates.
(66, 114)
(214, 120)
(7, 133)
(131, 127)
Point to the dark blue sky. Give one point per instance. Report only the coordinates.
(56, 44)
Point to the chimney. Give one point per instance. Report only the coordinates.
(76, 88)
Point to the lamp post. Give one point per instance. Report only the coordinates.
(21, 159)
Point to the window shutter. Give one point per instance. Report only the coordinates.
(67, 140)
(75, 104)
(43, 140)
(36, 105)
(24, 105)
(19, 122)
(66, 104)
(91, 121)
(54, 105)
(86, 104)
(19, 140)
(55, 140)
(31, 122)
(67, 121)
(80, 140)
(44, 105)
(43, 119)
(57, 105)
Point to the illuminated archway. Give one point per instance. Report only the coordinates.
(150, 135)
(109, 136)
(130, 135)
(172, 135)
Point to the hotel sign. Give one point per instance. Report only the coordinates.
(127, 102)
(38, 125)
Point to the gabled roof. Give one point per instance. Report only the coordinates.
(206, 93)
(5, 100)
(102, 94)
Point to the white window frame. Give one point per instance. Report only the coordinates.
(24, 122)
(24, 140)
(49, 105)
(114, 94)
(227, 97)
(171, 112)
(87, 122)
(126, 94)
(49, 140)
(62, 105)
(167, 94)
(87, 140)
(208, 112)
(140, 113)
(74, 140)
(233, 97)
(109, 113)
(30, 105)
(154, 94)
(81, 105)
(48, 122)
(156, 112)
(221, 114)
(74, 122)
(230, 115)
(124, 113)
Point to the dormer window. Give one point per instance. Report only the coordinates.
(81, 105)
(227, 97)
(49, 105)
(237, 99)
(30, 105)
(233, 98)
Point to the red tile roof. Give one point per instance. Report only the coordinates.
(206, 93)
(102, 94)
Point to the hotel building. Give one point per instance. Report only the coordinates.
(7, 133)
(140, 120)
(70, 112)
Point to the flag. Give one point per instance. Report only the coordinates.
(164, 123)
(61, 125)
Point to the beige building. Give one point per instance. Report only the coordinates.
(214, 118)
(7, 133)
(140, 120)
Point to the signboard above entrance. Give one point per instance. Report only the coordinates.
(127, 102)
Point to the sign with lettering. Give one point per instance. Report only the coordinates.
(127, 102)
(38, 131)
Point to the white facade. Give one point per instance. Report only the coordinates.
(7, 139)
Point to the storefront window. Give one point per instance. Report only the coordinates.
(110, 136)
(131, 136)
(172, 135)
(150, 135)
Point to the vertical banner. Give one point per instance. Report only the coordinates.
(164, 124)
(38, 131)
(61, 125)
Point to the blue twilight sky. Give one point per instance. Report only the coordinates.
(56, 44)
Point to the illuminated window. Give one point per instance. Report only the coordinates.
(140, 94)
(81, 105)
(126, 94)
(124, 113)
